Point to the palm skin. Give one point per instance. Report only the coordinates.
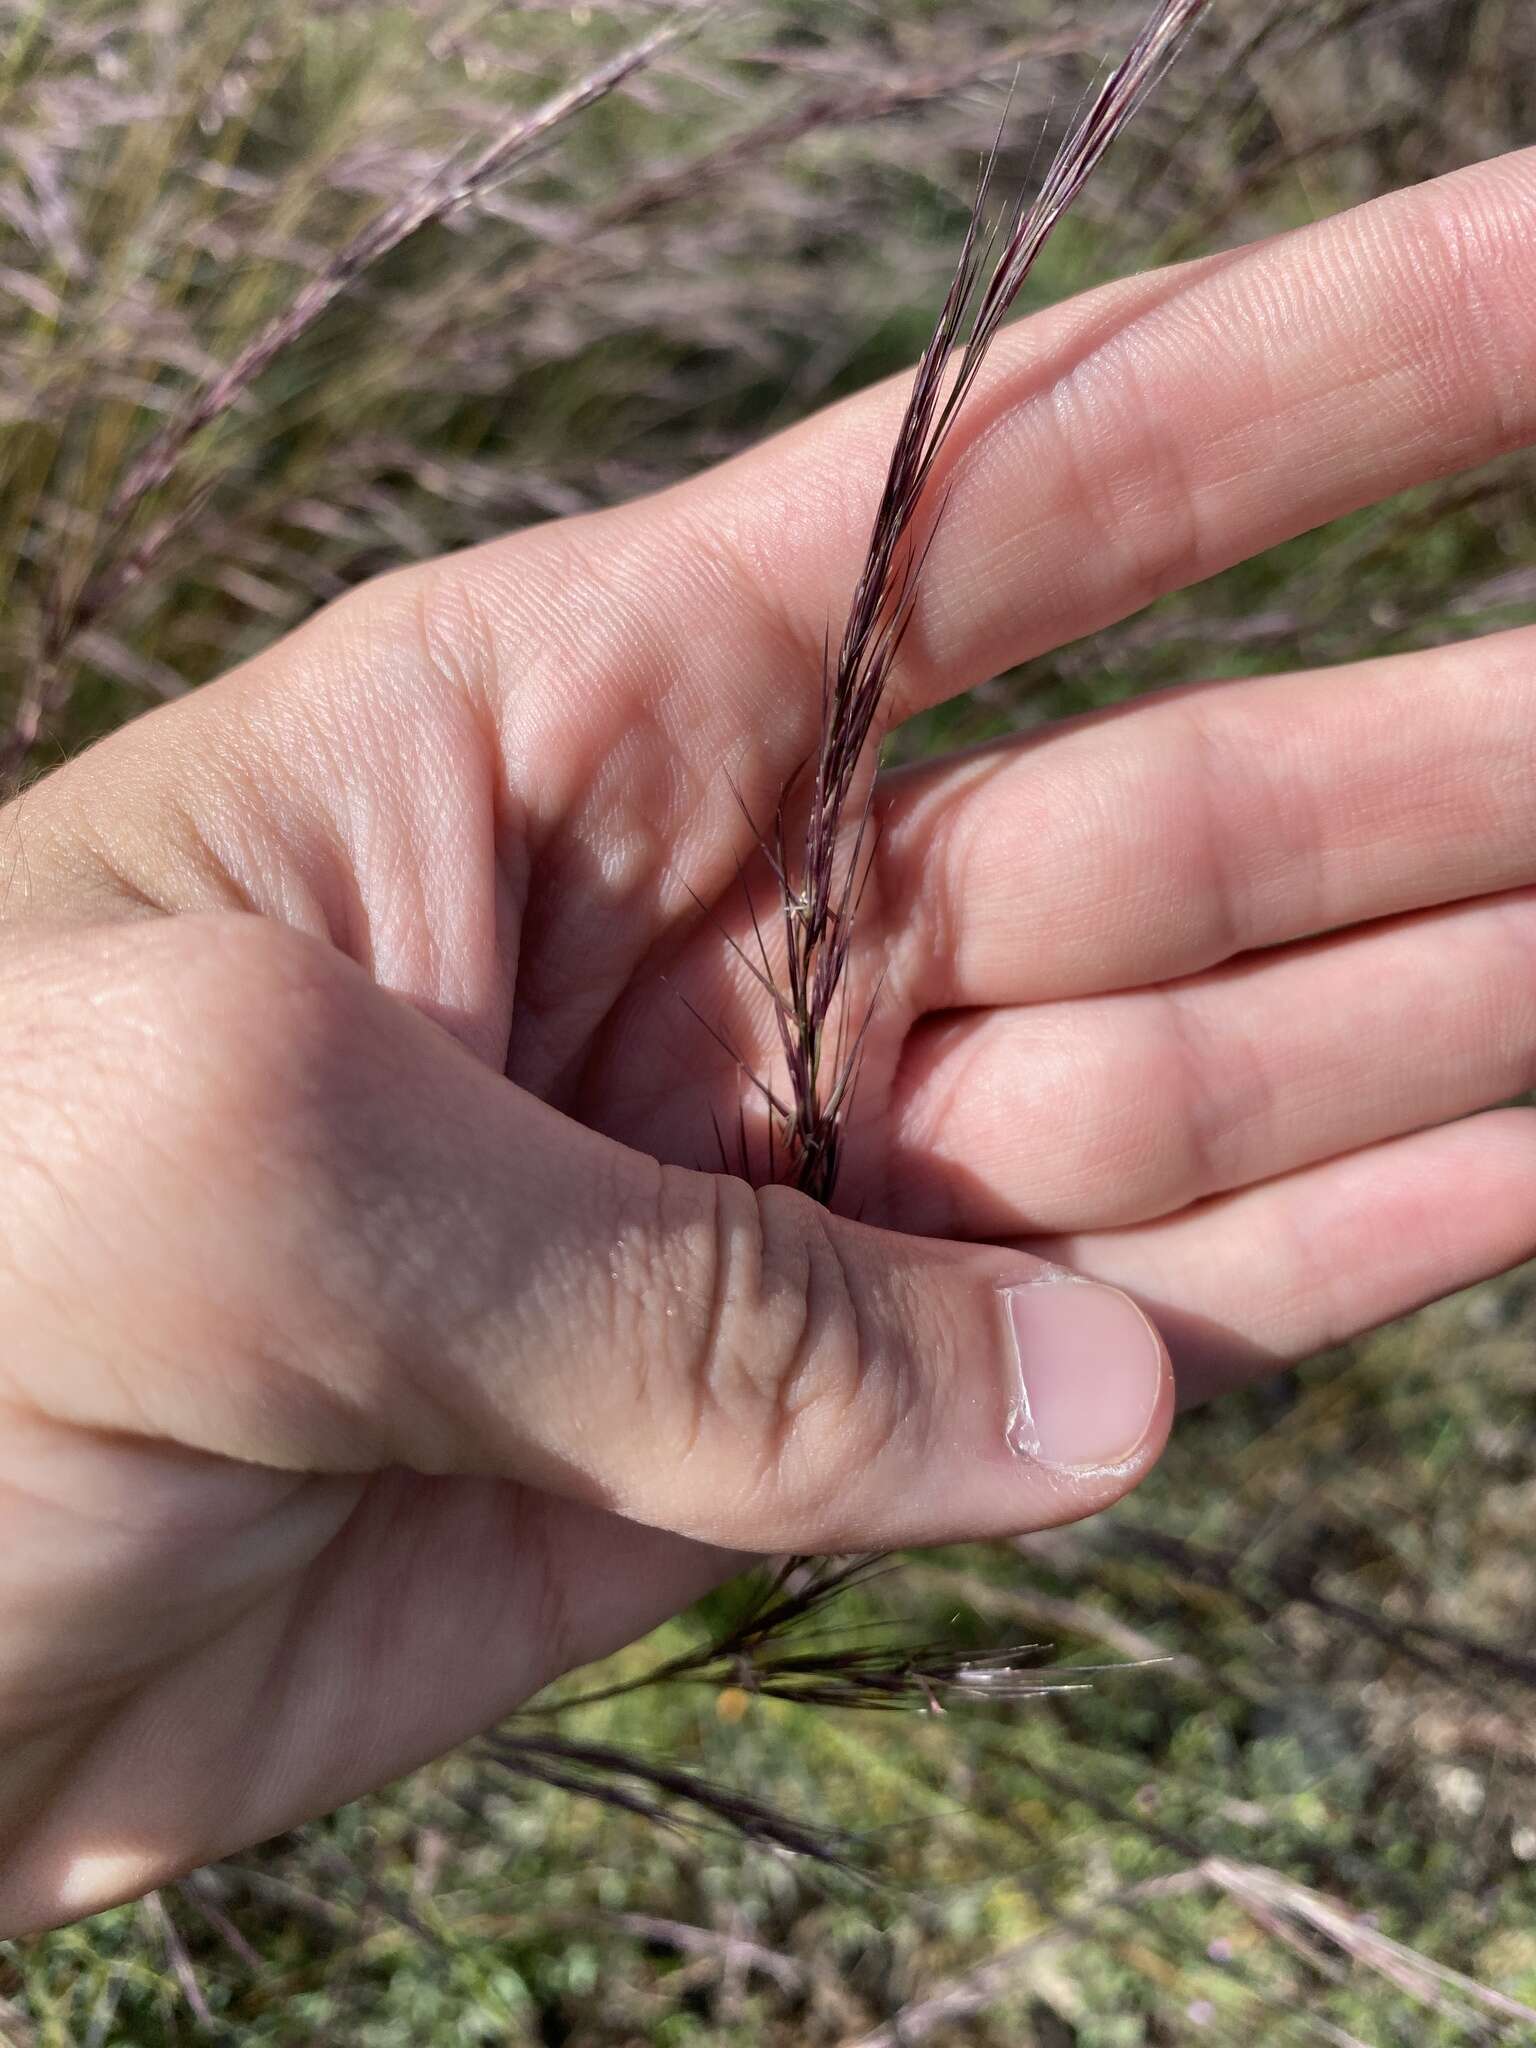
(1197, 998)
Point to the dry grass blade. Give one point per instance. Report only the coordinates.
(451, 185)
(1446, 1652)
(154, 1908)
(662, 1793)
(821, 880)
(1292, 1912)
(733, 1951)
(1315, 1926)
(817, 111)
(969, 1996)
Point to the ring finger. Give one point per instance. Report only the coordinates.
(1118, 1109)
(1152, 842)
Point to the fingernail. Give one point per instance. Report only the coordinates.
(1090, 1373)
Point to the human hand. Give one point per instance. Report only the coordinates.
(353, 1389)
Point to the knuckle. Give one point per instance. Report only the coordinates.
(453, 623)
(248, 1029)
(788, 1385)
(1145, 505)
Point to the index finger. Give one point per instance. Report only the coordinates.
(1156, 431)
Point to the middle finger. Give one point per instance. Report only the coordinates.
(1155, 841)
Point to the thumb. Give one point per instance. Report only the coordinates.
(812, 1383)
(745, 1368)
(409, 1261)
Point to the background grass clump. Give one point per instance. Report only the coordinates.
(1314, 1819)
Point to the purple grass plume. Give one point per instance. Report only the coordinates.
(819, 878)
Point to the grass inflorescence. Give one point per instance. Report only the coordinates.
(820, 877)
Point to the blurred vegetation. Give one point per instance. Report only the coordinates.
(1321, 1745)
